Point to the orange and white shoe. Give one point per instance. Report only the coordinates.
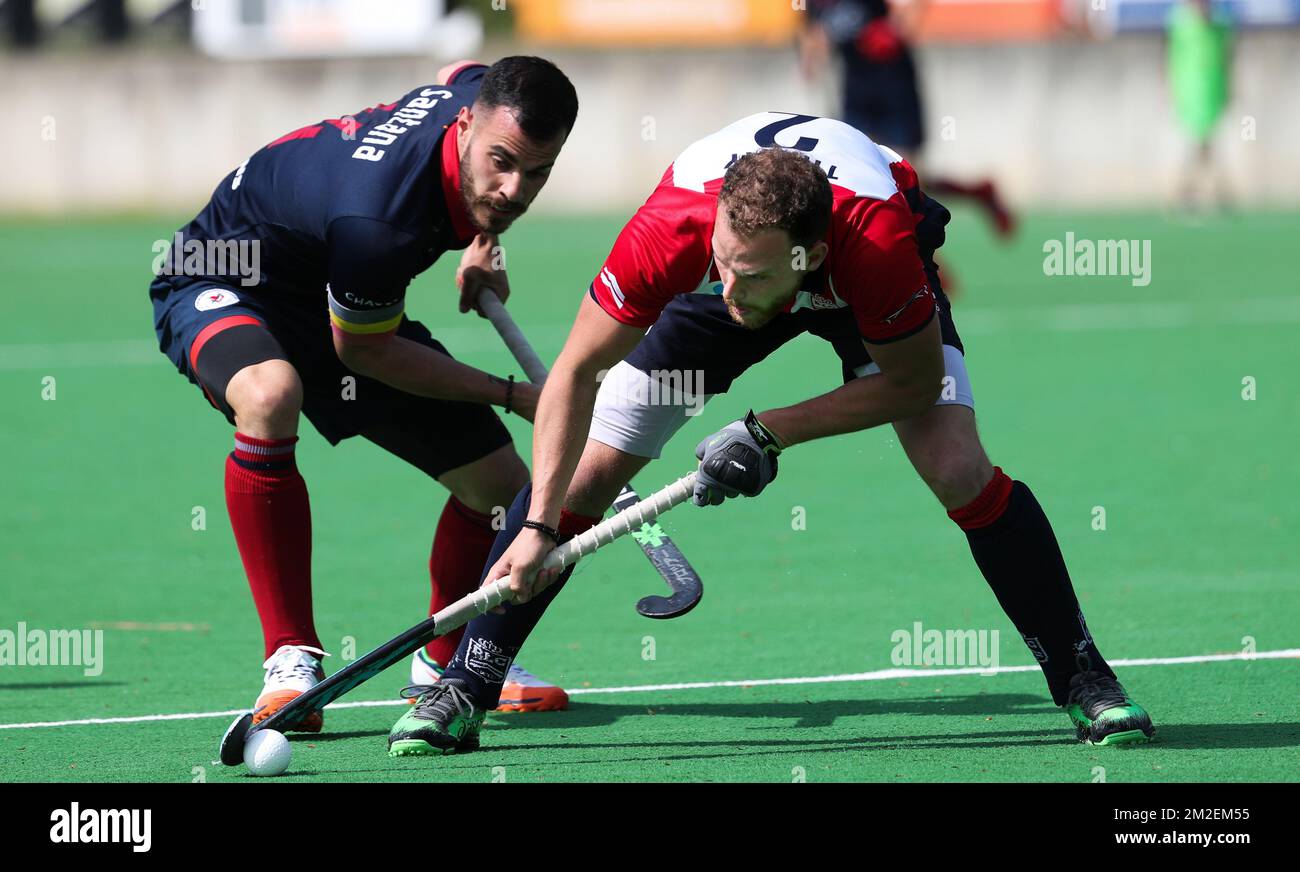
(525, 692)
(290, 671)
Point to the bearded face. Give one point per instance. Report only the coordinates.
(488, 213)
(758, 275)
(501, 169)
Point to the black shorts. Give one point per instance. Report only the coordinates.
(210, 331)
(694, 333)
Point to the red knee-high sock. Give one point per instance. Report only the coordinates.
(271, 517)
(460, 549)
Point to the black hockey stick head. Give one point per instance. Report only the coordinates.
(682, 580)
(232, 743)
(663, 607)
(669, 562)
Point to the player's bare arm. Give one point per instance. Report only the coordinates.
(741, 458)
(909, 381)
(595, 343)
(417, 369)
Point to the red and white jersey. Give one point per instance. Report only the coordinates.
(874, 266)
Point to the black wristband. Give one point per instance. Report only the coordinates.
(510, 392)
(765, 438)
(539, 526)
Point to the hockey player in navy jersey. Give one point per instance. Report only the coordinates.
(320, 233)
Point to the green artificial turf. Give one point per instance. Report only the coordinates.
(1096, 392)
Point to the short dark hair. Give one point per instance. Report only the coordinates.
(777, 189)
(540, 97)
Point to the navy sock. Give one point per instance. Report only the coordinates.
(491, 642)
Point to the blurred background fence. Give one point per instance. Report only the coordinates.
(126, 106)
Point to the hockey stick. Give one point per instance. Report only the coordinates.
(456, 615)
(663, 553)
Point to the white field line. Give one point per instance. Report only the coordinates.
(878, 675)
(973, 320)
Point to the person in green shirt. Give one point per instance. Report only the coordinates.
(1200, 58)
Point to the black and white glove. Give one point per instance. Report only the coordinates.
(738, 459)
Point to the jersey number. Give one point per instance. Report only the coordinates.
(766, 137)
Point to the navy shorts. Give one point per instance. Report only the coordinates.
(433, 435)
(695, 333)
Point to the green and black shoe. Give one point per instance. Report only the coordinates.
(1103, 713)
(443, 720)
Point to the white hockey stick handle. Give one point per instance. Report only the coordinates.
(514, 338)
(607, 531)
(471, 605)
(623, 522)
(495, 592)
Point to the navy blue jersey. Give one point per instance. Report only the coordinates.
(350, 209)
(863, 33)
(879, 92)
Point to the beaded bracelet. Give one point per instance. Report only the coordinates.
(539, 526)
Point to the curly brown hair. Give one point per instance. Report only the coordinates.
(777, 189)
